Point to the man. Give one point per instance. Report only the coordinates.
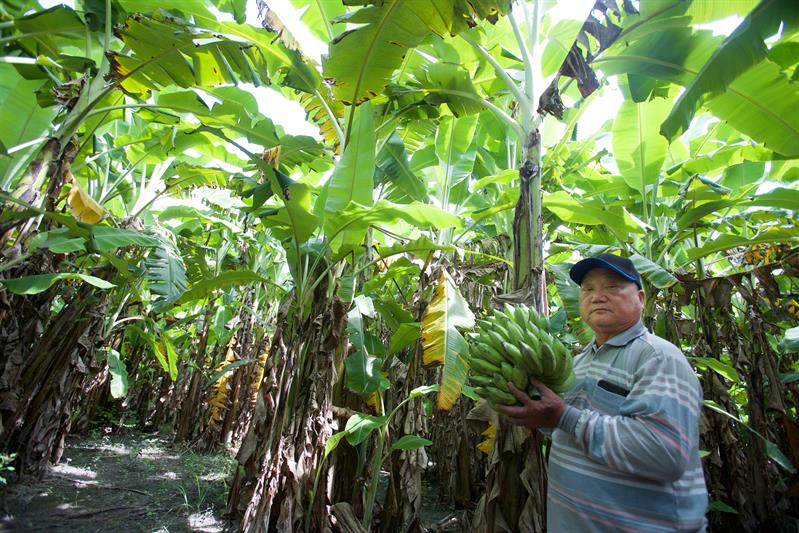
(625, 453)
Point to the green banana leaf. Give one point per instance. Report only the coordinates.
(353, 178)
(744, 48)
(44, 33)
(656, 274)
(22, 118)
(363, 370)
(119, 374)
(231, 278)
(317, 16)
(423, 216)
(456, 151)
(638, 147)
(41, 282)
(361, 61)
(166, 275)
(167, 52)
(728, 241)
(763, 104)
(394, 168)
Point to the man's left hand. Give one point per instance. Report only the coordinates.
(534, 414)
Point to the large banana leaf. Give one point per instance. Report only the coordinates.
(166, 275)
(230, 119)
(442, 343)
(760, 103)
(294, 220)
(232, 278)
(729, 241)
(763, 104)
(166, 52)
(361, 61)
(352, 180)
(394, 168)
(41, 282)
(317, 15)
(22, 119)
(43, 33)
(423, 216)
(779, 198)
(456, 152)
(119, 374)
(364, 372)
(590, 213)
(446, 83)
(638, 147)
(740, 51)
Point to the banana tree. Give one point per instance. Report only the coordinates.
(110, 124)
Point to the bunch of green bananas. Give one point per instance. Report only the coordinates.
(512, 346)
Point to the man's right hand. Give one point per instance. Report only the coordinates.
(534, 414)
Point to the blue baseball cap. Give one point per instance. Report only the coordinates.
(618, 264)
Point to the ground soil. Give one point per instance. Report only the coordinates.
(130, 483)
(139, 482)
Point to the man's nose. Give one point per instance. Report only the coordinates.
(600, 295)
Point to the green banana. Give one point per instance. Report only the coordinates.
(481, 380)
(496, 340)
(531, 360)
(514, 354)
(487, 353)
(484, 367)
(547, 362)
(534, 344)
(506, 369)
(513, 344)
(558, 364)
(564, 386)
(500, 383)
(520, 378)
(521, 315)
(502, 397)
(499, 329)
(517, 333)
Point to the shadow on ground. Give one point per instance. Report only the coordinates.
(133, 483)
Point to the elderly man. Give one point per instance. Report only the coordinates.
(625, 438)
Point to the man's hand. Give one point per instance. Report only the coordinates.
(534, 414)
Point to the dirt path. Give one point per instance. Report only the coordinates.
(133, 483)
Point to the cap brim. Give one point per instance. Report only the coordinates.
(581, 268)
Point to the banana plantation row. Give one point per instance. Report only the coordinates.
(172, 258)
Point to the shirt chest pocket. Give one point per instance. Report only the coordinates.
(608, 397)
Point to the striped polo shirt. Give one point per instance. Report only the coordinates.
(625, 455)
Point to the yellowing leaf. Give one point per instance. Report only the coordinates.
(442, 343)
(490, 431)
(373, 400)
(486, 446)
(83, 206)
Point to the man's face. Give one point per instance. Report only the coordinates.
(609, 303)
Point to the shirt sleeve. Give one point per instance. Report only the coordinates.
(656, 427)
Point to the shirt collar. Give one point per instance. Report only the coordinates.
(623, 338)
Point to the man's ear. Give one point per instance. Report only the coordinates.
(641, 296)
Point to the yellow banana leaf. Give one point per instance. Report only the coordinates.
(83, 206)
(488, 444)
(442, 343)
